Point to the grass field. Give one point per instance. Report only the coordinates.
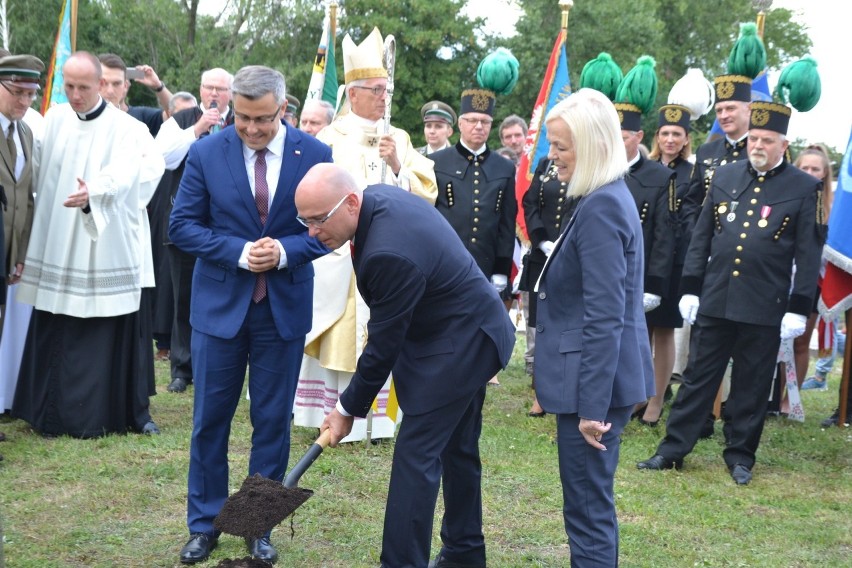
(120, 500)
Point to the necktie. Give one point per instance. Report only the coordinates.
(261, 200)
(13, 150)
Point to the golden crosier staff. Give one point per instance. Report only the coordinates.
(390, 62)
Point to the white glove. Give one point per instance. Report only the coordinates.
(546, 247)
(499, 281)
(688, 307)
(793, 325)
(650, 301)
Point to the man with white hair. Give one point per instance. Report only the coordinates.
(176, 137)
(316, 115)
(760, 216)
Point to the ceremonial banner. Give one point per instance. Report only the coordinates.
(555, 87)
(836, 295)
(63, 46)
(323, 85)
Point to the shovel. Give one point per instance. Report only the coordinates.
(262, 503)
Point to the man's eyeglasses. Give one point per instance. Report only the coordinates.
(259, 120)
(485, 122)
(317, 223)
(28, 96)
(215, 89)
(377, 90)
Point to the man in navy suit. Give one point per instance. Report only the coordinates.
(252, 292)
(439, 325)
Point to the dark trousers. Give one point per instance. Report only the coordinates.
(588, 476)
(754, 350)
(443, 444)
(220, 370)
(181, 266)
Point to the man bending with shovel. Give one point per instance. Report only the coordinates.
(439, 325)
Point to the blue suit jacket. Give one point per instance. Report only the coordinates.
(214, 215)
(428, 303)
(592, 351)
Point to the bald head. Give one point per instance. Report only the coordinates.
(328, 200)
(82, 80)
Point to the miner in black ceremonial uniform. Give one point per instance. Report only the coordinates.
(476, 190)
(653, 188)
(760, 216)
(733, 96)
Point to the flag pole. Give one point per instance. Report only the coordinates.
(761, 6)
(565, 5)
(332, 21)
(73, 25)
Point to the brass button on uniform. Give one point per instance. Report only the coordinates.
(736, 273)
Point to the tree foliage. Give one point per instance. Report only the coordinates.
(438, 48)
(679, 34)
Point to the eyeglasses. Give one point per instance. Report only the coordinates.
(28, 96)
(377, 90)
(215, 89)
(485, 122)
(317, 223)
(259, 120)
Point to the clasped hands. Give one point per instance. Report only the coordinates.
(263, 255)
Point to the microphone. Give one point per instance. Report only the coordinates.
(216, 127)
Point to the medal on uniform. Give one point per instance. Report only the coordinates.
(764, 215)
(722, 209)
(731, 216)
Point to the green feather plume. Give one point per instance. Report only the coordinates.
(748, 56)
(800, 85)
(602, 74)
(639, 86)
(498, 72)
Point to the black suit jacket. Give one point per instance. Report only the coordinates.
(652, 186)
(427, 301)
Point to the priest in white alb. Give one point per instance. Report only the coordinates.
(87, 368)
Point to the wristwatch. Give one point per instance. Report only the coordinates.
(160, 88)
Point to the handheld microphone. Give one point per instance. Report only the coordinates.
(216, 127)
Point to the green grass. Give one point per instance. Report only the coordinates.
(120, 500)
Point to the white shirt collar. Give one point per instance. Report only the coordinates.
(275, 146)
(472, 151)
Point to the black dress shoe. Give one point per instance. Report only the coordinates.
(178, 384)
(658, 462)
(150, 429)
(832, 420)
(198, 548)
(441, 562)
(262, 549)
(741, 474)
